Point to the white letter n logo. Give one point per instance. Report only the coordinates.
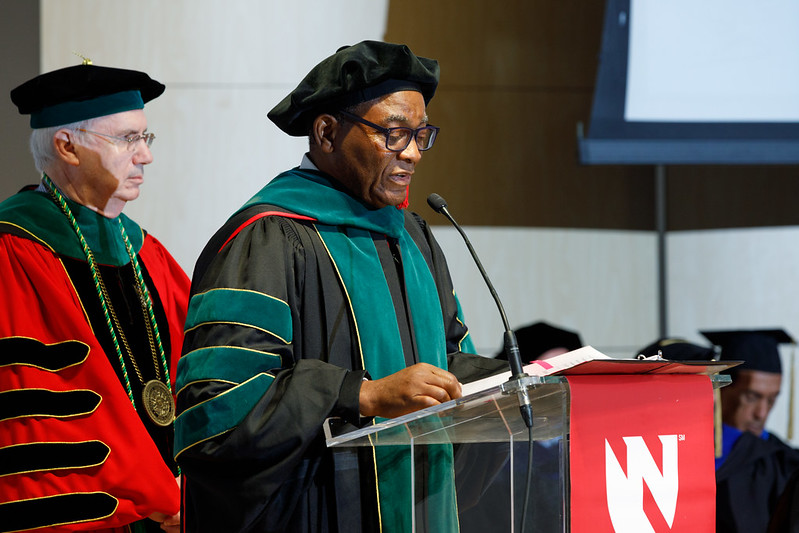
(626, 492)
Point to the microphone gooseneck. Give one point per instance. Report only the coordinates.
(511, 346)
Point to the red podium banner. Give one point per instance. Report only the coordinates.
(641, 454)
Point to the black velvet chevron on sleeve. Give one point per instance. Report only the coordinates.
(47, 403)
(50, 357)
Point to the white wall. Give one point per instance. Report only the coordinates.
(226, 64)
(601, 284)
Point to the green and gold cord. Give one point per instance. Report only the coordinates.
(147, 300)
(62, 203)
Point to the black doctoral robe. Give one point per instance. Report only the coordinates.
(267, 468)
(750, 482)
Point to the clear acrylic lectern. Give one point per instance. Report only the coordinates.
(490, 447)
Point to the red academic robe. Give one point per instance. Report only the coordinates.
(113, 474)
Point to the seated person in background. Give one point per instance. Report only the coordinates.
(540, 341)
(755, 465)
(677, 349)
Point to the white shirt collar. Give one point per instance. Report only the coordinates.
(306, 163)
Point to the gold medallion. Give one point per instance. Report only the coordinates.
(158, 402)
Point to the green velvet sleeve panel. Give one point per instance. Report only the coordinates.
(253, 388)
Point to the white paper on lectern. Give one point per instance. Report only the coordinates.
(539, 368)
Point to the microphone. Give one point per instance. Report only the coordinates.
(511, 346)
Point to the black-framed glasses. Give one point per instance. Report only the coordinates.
(398, 139)
(130, 141)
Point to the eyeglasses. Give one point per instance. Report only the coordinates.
(130, 141)
(398, 139)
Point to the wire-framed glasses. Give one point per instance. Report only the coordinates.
(398, 139)
(130, 141)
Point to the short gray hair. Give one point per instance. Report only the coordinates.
(41, 142)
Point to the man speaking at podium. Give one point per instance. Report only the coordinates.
(323, 296)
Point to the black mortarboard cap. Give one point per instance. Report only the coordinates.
(677, 349)
(352, 75)
(536, 339)
(81, 92)
(758, 349)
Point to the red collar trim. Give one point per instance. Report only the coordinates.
(259, 216)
